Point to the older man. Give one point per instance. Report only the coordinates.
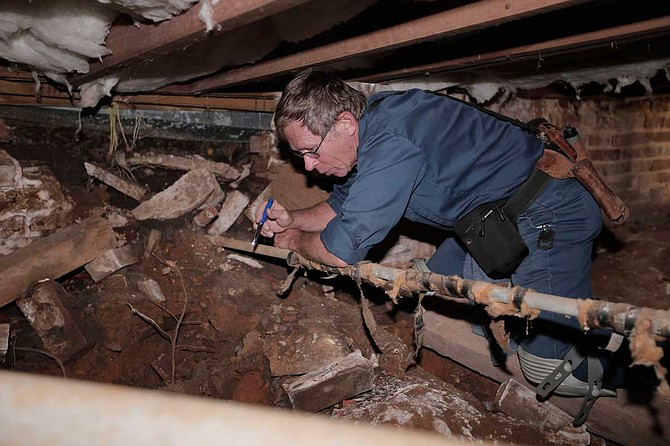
(432, 159)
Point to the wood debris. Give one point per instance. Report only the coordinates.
(133, 190)
(329, 385)
(54, 256)
(515, 400)
(231, 209)
(246, 260)
(222, 171)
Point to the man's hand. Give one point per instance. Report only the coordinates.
(308, 244)
(279, 219)
(289, 239)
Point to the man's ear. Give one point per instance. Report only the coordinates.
(347, 123)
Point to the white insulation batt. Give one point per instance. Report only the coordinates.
(54, 36)
(59, 36)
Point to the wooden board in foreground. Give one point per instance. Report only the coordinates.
(54, 256)
(617, 419)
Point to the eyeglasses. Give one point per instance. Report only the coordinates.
(311, 153)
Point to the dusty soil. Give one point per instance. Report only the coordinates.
(233, 316)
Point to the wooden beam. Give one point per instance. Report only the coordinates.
(556, 46)
(623, 419)
(23, 92)
(53, 256)
(455, 21)
(132, 45)
(200, 102)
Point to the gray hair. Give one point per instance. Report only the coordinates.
(316, 99)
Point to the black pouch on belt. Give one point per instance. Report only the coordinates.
(490, 234)
(493, 239)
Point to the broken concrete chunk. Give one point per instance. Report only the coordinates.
(4, 340)
(134, 191)
(152, 290)
(111, 261)
(517, 401)
(185, 195)
(52, 322)
(10, 171)
(231, 209)
(329, 385)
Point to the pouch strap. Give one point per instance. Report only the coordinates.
(526, 193)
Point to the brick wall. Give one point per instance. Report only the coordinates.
(629, 142)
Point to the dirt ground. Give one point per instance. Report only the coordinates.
(233, 316)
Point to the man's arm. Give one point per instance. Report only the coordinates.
(308, 244)
(313, 219)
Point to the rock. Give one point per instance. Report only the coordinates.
(414, 401)
(185, 195)
(110, 262)
(10, 171)
(303, 350)
(152, 290)
(52, 322)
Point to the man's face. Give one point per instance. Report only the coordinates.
(336, 151)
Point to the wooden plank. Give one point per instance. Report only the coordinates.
(53, 256)
(618, 419)
(132, 45)
(258, 104)
(455, 21)
(583, 41)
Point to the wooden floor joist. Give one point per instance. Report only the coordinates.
(583, 41)
(132, 44)
(455, 21)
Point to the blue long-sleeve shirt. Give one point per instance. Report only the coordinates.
(427, 158)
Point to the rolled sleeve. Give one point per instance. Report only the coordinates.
(389, 167)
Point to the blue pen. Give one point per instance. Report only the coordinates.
(254, 241)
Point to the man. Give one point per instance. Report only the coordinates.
(431, 159)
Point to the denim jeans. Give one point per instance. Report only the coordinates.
(564, 269)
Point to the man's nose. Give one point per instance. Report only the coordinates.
(310, 163)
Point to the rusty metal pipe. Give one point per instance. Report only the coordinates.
(621, 318)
